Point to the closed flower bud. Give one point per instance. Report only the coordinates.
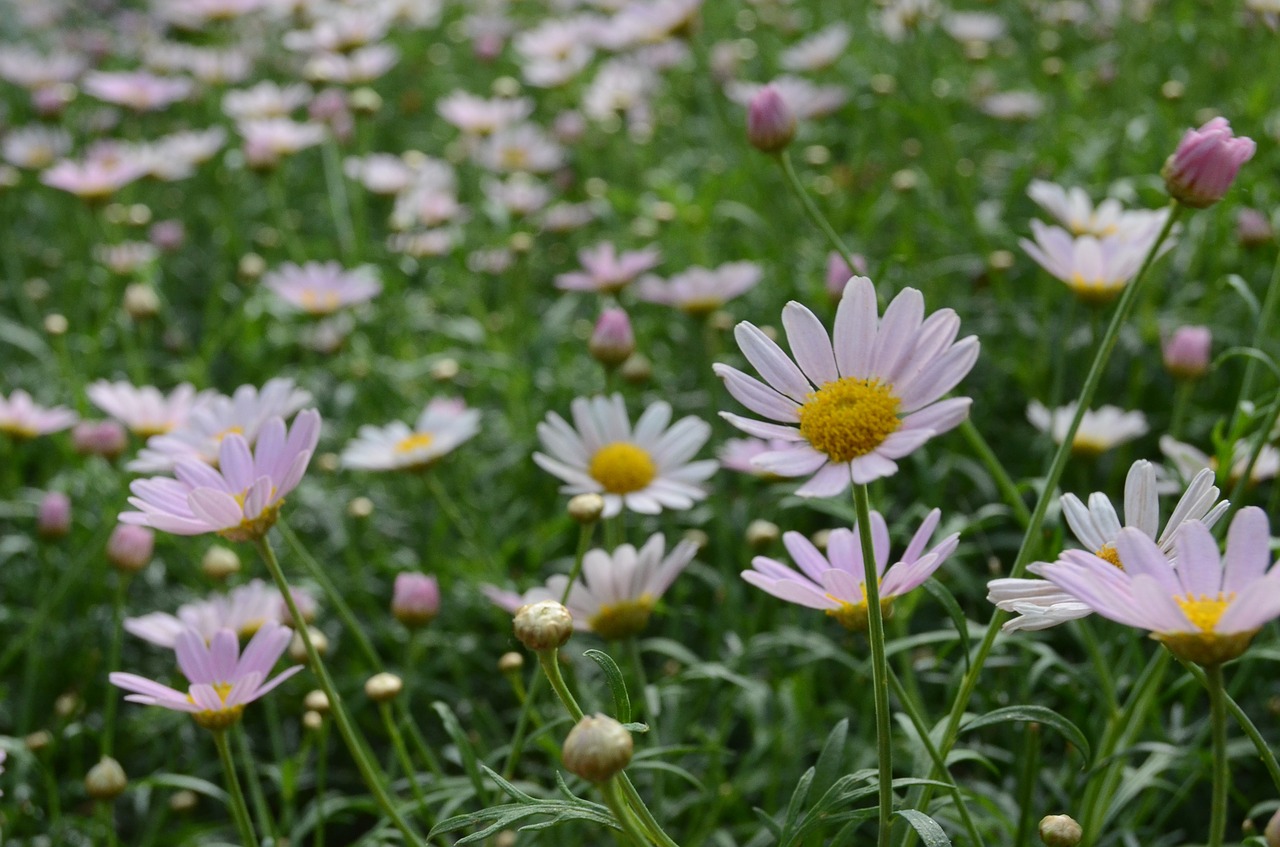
(168, 235)
(1205, 164)
(383, 687)
(415, 600)
(1252, 228)
(770, 122)
(219, 562)
(597, 748)
(543, 626)
(99, 438)
(586, 508)
(298, 649)
(106, 780)
(510, 663)
(316, 701)
(183, 801)
(1272, 832)
(762, 533)
(53, 518)
(612, 342)
(1060, 831)
(141, 301)
(839, 272)
(637, 369)
(130, 547)
(1186, 352)
(38, 740)
(312, 721)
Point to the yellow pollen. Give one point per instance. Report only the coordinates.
(1088, 446)
(853, 616)
(18, 431)
(250, 628)
(1204, 611)
(251, 529)
(238, 430)
(1205, 647)
(622, 620)
(150, 429)
(700, 307)
(622, 468)
(514, 158)
(218, 719)
(417, 441)
(849, 418)
(1095, 292)
(1108, 554)
(319, 302)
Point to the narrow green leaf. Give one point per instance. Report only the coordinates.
(944, 596)
(621, 699)
(931, 835)
(465, 751)
(1039, 714)
(829, 766)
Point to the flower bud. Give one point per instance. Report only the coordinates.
(838, 272)
(1252, 228)
(415, 600)
(38, 740)
(636, 370)
(312, 720)
(510, 663)
(612, 341)
(298, 649)
(1205, 164)
(1060, 831)
(770, 122)
(1271, 834)
(183, 801)
(586, 508)
(168, 235)
(1186, 352)
(383, 687)
(99, 438)
(543, 626)
(220, 562)
(53, 518)
(141, 301)
(130, 547)
(106, 780)
(597, 748)
(762, 533)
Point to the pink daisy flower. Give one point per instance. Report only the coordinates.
(606, 270)
(244, 610)
(700, 291)
(240, 499)
(145, 410)
(321, 288)
(20, 417)
(835, 582)
(222, 679)
(851, 408)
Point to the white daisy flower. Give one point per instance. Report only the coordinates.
(644, 468)
(1188, 460)
(852, 407)
(1109, 426)
(443, 425)
(1040, 604)
(144, 409)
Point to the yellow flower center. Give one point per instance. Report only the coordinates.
(238, 430)
(622, 468)
(1108, 554)
(1095, 292)
(853, 616)
(18, 430)
(700, 307)
(149, 429)
(319, 302)
(218, 719)
(417, 441)
(622, 620)
(514, 158)
(1205, 647)
(250, 628)
(849, 418)
(1089, 446)
(251, 529)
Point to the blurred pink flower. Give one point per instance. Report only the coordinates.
(700, 291)
(138, 90)
(243, 610)
(415, 600)
(321, 288)
(21, 418)
(1205, 164)
(607, 271)
(145, 410)
(1186, 352)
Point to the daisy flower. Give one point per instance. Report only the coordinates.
(479, 116)
(244, 610)
(644, 468)
(222, 679)
(606, 270)
(35, 146)
(523, 147)
(1040, 604)
(240, 499)
(140, 91)
(1099, 431)
(804, 99)
(94, 179)
(1206, 610)
(20, 417)
(214, 418)
(700, 291)
(1096, 269)
(819, 50)
(265, 100)
(617, 591)
(738, 454)
(443, 425)
(851, 408)
(321, 288)
(835, 582)
(1188, 460)
(1073, 209)
(145, 411)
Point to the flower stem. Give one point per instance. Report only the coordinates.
(402, 752)
(322, 773)
(1003, 481)
(1221, 775)
(369, 771)
(113, 664)
(626, 820)
(239, 810)
(1261, 333)
(879, 664)
(256, 796)
(793, 181)
(1259, 743)
(550, 663)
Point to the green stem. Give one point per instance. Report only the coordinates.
(402, 752)
(642, 681)
(350, 735)
(1259, 442)
(1221, 774)
(463, 526)
(333, 595)
(256, 795)
(550, 663)
(1031, 539)
(113, 664)
(879, 664)
(1003, 481)
(239, 810)
(107, 817)
(322, 774)
(1261, 334)
(811, 210)
(622, 814)
(1259, 743)
(1181, 400)
(339, 208)
(1027, 783)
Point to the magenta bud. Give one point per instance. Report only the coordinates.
(569, 127)
(53, 518)
(415, 600)
(612, 342)
(1252, 228)
(1205, 164)
(770, 122)
(839, 272)
(99, 438)
(130, 547)
(167, 235)
(487, 46)
(1186, 352)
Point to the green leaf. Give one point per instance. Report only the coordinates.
(1039, 714)
(829, 766)
(465, 751)
(944, 596)
(621, 700)
(189, 783)
(926, 827)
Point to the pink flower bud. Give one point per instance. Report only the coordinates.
(613, 341)
(569, 127)
(1205, 164)
(168, 235)
(53, 518)
(838, 272)
(770, 122)
(130, 547)
(1186, 352)
(415, 600)
(1252, 228)
(99, 438)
